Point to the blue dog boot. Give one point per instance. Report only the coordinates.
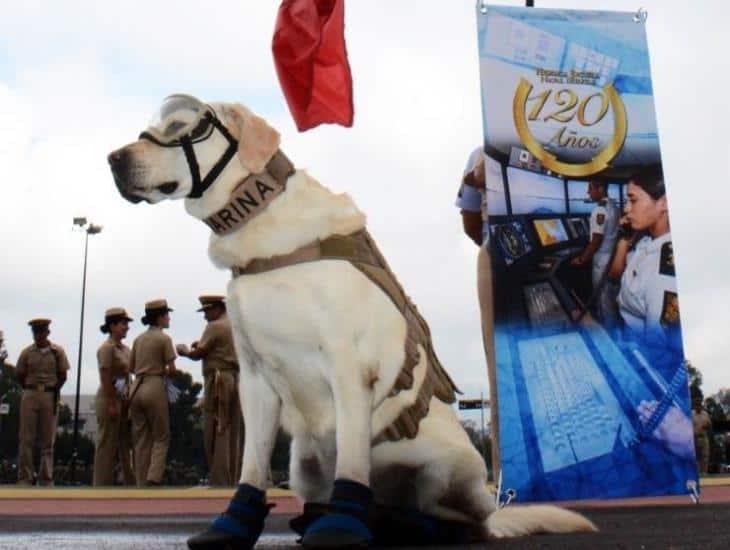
(239, 527)
(347, 521)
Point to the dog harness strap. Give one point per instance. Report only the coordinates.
(361, 251)
(251, 196)
(199, 187)
(187, 147)
(336, 247)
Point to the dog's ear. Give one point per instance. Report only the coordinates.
(257, 141)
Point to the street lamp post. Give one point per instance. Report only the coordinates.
(90, 229)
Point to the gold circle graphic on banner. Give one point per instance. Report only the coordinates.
(597, 163)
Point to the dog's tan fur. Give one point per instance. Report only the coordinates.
(320, 347)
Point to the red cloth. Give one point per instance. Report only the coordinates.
(311, 61)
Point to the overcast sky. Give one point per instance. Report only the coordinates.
(79, 78)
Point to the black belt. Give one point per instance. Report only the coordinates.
(39, 387)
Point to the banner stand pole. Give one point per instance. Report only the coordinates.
(640, 16)
(693, 492)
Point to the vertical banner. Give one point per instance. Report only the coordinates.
(591, 377)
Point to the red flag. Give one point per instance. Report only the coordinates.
(311, 61)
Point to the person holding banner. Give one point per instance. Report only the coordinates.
(644, 260)
(472, 200)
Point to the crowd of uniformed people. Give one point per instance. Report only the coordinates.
(132, 401)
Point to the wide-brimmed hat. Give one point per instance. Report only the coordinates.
(157, 305)
(210, 300)
(154, 307)
(114, 315)
(39, 323)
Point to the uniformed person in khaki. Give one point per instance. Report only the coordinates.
(153, 358)
(702, 425)
(113, 437)
(223, 428)
(42, 368)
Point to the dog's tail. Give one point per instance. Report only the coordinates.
(515, 521)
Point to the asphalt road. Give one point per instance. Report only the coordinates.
(705, 526)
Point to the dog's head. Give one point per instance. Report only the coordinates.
(187, 145)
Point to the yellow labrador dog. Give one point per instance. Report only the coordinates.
(329, 346)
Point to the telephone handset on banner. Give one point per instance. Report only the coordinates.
(679, 382)
(625, 231)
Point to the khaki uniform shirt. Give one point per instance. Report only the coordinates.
(701, 423)
(41, 366)
(217, 342)
(115, 357)
(151, 352)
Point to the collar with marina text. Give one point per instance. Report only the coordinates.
(251, 196)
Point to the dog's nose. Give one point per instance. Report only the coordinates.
(118, 160)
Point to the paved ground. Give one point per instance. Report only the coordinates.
(697, 527)
(86, 519)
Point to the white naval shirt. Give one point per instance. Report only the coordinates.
(472, 199)
(604, 221)
(648, 297)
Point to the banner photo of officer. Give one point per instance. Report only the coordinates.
(593, 398)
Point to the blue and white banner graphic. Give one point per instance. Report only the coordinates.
(591, 378)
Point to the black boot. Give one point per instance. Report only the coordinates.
(239, 527)
(348, 519)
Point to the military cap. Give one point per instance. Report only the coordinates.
(154, 307)
(157, 305)
(114, 315)
(39, 323)
(210, 300)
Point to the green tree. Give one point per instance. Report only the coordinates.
(65, 416)
(482, 443)
(720, 404)
(186, 456)
(10, 394)
(695, 383)
(280, 457)
(715, 410)
(63, 450)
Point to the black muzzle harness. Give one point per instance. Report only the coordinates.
(202, 131)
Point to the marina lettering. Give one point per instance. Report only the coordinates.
(250, 197)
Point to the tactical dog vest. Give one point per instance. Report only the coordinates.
(361, 251)
(253, 195)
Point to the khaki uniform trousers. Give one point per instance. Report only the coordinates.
(37, 422)
(702, 451)
(486, 310)
(223, 447)
(113, 440)
(150, 429)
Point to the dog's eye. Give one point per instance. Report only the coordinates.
(200, 129)
(173, 127)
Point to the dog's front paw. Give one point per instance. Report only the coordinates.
(239, 526)
(347, 521)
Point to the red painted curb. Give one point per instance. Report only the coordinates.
(131, 507)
